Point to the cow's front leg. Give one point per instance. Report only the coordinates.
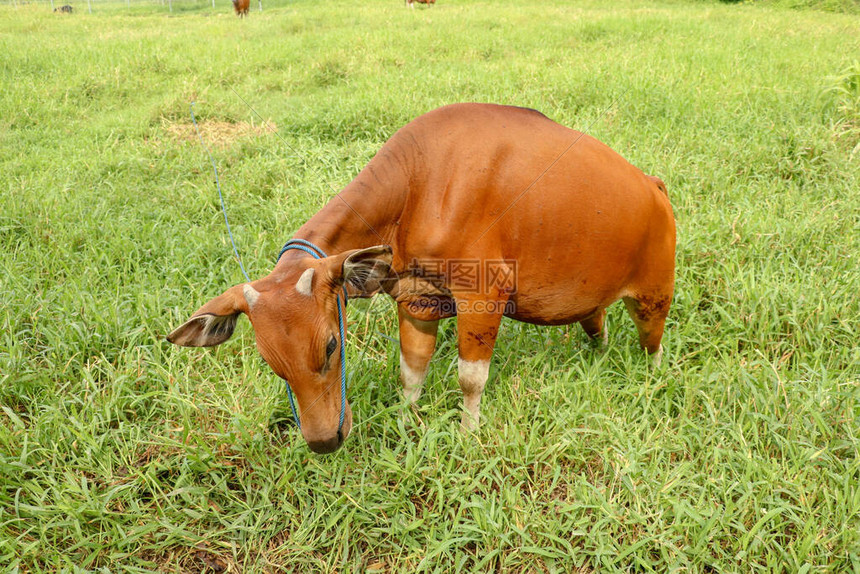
(417, 343)
(478, 326)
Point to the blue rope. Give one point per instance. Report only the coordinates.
(309, 247)
(220, 195)
(318, 253)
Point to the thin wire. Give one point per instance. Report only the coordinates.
(220, 195)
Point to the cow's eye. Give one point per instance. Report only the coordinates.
(332, 345)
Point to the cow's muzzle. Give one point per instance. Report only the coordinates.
(334, 442)
(327, 446)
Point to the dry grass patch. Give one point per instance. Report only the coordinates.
(218, 133)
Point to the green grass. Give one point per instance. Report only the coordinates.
(120, 452)
(844, 6)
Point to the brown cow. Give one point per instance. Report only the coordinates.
(474, 210)
(241, 7)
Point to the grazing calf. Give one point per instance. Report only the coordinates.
(472, 210)
(241, 7)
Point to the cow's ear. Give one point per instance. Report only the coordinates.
(363, 270)
(213, 323)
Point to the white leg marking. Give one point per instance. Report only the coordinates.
(473, 377)
(657, 357)
(604, 339)
(412, 379)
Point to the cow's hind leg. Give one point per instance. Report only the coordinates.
(417, 343)
(595, 327)
(649, 314)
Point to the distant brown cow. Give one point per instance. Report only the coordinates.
(241, 7)
(411, 3)
(64, 9)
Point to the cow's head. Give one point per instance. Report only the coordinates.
(294, 314)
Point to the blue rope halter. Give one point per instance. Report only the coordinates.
(318, 253)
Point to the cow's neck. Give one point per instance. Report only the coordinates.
(365, 213)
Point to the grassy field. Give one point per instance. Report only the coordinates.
(122, 453)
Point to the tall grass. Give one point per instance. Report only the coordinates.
(119, 452)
